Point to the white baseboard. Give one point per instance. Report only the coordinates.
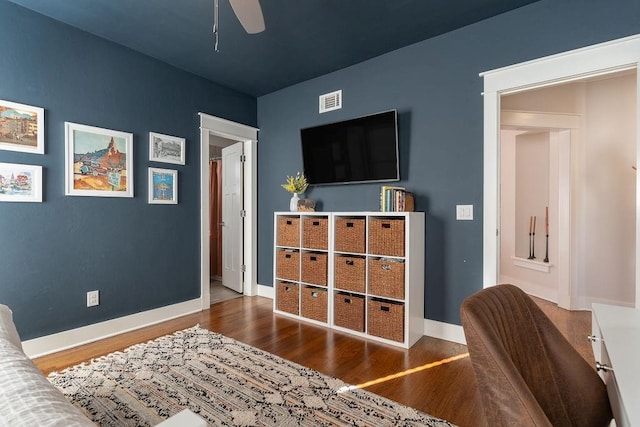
(74, 337)
(266, 291)
(444, 331)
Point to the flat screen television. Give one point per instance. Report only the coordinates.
(364, 149)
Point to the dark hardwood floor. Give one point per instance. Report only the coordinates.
(446, 390)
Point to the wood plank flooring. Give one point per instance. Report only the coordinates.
(447, 390)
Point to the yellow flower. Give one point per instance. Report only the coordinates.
(296, 184)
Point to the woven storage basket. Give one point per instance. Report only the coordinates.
(314, 303)
(314, 268)
(288, 265)
(350, 235)
(288, 231)
(348, 311)
(386, 278)
(386, 236)
(350, 273)
(315, 233)
(385, 319)
(288, 297)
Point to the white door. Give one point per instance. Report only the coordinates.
(232, 222)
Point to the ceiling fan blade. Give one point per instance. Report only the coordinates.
(249, 14)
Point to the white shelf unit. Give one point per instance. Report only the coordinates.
(392, 312)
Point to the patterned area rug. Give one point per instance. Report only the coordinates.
(224, 381)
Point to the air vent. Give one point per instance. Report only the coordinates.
(331, 101)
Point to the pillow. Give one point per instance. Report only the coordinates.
(8, 328)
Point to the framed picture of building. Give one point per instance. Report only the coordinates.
(166, 148)
(21, 127)
(20, 183)
(98, 162)
(163, 186)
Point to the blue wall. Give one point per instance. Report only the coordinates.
(436, 89)
(139, 256)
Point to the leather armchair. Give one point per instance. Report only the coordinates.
(528, 374)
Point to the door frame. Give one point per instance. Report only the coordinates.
(248, 135)
(569, 66)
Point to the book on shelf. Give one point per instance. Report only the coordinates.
(395, 199)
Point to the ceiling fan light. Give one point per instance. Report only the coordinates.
(249, 14)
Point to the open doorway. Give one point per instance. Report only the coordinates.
(599, 206)
(226, 220)
(228, 208)
(568, 190)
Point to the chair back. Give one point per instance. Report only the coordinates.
(528, 374)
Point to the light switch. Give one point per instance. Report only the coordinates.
(464, 212)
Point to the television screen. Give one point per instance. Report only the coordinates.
(364, 149)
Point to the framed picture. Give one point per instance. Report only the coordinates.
(21, 128)
(163, 186)
(166, 149)
(20, 183)
(98, 162)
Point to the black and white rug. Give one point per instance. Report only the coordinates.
(226, 382)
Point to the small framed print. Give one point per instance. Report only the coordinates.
(166, 148)
(20, 183)
(21, 128)
(98, 162)
(163, 186)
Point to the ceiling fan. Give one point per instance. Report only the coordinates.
(248, 12)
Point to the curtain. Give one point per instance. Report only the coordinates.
(215, 217)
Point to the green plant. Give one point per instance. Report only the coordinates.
(296, 184)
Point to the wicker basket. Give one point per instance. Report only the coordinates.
(314, 303)
(348, 311)
(350, 273)
(288, 297)
(386, 236)
(314, 268)
(386, 278)
(288, 265)
(289, 231)
(385, 319)
(315, 233)
(350, 235)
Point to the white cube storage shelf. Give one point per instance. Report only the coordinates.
(357, 272)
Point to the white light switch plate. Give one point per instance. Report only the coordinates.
(464, 212)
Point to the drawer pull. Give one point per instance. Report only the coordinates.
(385, 308)
(314, 294)
(287, 256)
(386, 267)
(349, 262)
(289, 222)
(347, 300)
(386, 225)
(593, 338)
(312, 258)
(316, 222)
(603, 367)
(349, 225)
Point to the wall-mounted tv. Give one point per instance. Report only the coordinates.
(364, 149)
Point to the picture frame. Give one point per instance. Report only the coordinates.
(163, 186)
(166, 148)
(21, 127)
(98, 162)
(20, 183)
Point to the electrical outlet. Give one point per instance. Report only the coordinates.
(93, 298)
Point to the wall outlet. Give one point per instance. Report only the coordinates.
(93, 298)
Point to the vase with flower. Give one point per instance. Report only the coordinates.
(296, 185)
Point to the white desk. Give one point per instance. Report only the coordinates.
(619, 348)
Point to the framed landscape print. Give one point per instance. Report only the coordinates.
(98, 162)
(166, 148)
(20, 183)
(163, 186)
(21, 128)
